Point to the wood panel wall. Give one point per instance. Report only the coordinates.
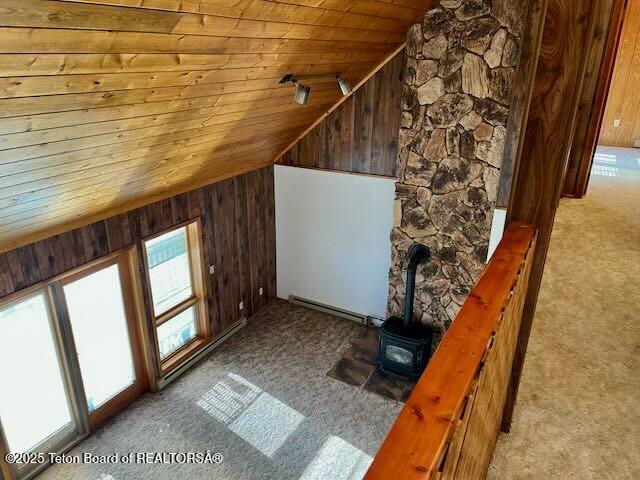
(108, 105)
(361, 135)
(624, 93)
(238, 225)
(603, 47)
(536, 189)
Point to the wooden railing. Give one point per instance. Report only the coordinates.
(450, 423)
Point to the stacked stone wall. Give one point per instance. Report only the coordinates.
(462, 62)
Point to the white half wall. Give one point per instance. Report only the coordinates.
(332, 237)
(497, 230)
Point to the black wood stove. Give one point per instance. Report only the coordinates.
(405, 345)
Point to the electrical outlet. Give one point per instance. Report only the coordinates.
(616, 123)
(241, 305)
(212, 269)
(261, 291)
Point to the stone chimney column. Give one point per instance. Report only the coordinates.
(462, 61)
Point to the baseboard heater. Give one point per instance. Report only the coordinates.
(163, 382)
(335, 311)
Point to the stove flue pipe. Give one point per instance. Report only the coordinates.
(418, 254)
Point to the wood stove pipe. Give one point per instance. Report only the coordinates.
(418, 254)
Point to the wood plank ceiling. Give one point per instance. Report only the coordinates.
(106, 105)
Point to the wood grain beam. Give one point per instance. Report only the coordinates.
(548, 136)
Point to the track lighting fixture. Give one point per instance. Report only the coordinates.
(345, 88)
(301, 95)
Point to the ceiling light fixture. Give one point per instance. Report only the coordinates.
(345, 87)
(301, 95)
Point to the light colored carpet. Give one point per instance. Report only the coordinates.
(263, 401)
(578, 411)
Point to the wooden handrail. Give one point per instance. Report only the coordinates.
(450, 423)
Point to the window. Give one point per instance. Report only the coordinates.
(70, 357)
(176, 284)
(35, 407)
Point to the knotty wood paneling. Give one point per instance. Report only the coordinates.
(238, 228)
(624, 95)
(361, 135)
(108, 105)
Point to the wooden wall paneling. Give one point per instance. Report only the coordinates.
(360, 135)
(597, 116)
(243, 239)
(15, 268)
(521, 98)
(363, 126)
(347, 121)
(330, 152)
(29, 264)
(94, 238)
(222, 208)
(118, 231)
(548, 136)
(72, 248)
(624, 96)
(595, 75)
(270, 234)
(50, 256)
(250, 212)
(263, 250)
(225, 232)
(200, 204)
(6, 278)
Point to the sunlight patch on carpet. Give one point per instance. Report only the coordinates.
(337, 460)
(258, 418)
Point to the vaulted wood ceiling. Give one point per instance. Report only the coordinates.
(106, 105)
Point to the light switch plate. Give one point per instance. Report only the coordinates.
(261, 291)
(241, 305)
(616, 123)
(212, 269)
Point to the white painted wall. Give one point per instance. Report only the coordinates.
(332, 237)
(497, 230)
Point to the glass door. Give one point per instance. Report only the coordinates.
(104, 337)
(36, 412)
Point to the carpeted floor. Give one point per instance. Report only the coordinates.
(578, 411)
(263, 400)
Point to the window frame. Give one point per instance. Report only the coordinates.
(77, 431)
(131, 393)
(198, 298)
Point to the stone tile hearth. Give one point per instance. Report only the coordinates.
(357, 367)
